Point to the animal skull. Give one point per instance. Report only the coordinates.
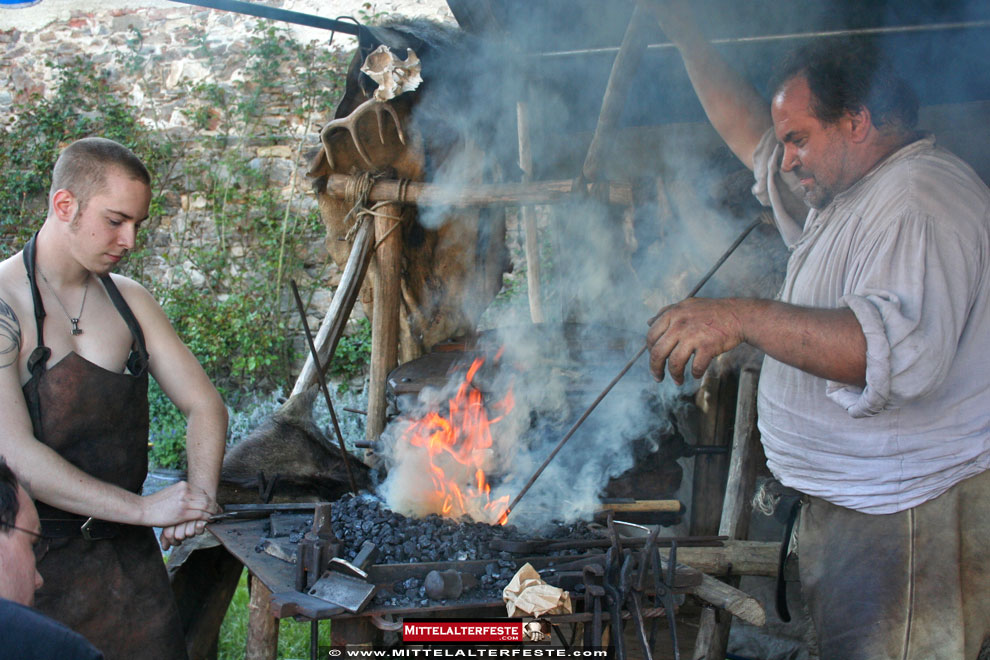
(394, 76)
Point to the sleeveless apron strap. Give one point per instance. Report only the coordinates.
(137, 361)
(38, 360)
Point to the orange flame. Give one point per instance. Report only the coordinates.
(457, 446)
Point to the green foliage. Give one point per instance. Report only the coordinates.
(352, 354)
(168, 431)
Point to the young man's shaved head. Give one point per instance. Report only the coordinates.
(82, 167)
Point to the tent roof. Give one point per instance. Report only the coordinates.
(941, 45)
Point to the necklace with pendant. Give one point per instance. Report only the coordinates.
(76, 330)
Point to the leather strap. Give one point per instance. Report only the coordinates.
(137, 361)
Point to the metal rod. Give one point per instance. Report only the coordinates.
(624, 370)
(323, 385)
(858, 32)
(274, 13)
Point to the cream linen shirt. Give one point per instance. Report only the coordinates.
(907, 249)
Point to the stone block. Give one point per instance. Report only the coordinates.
(277, 151)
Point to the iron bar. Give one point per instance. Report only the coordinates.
(276, 14)
(323, 385)
(625, 369)
(856, 32)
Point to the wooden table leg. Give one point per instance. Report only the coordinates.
(262, 638)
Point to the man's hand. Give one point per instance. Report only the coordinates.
(174, 535)
(178, 504)
(702, 327)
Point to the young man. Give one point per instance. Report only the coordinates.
(873, 397)
(78, 344)
(25, 633)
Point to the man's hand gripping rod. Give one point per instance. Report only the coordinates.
(627, 367)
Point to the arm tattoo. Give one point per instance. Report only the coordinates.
(10, 335)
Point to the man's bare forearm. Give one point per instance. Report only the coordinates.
(55, 481)
(828, 343)
(206, 434)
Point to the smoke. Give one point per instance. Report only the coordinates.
(607, 271)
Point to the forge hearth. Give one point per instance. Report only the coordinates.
(429, 540)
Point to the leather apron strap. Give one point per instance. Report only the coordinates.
(39, 356)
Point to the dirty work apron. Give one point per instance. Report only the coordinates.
(913, 585)
(114, 591)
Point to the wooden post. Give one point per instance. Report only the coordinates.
(743, 464)
(634, 44)
(529, 217)
(385, 319)
(737, 505)
(340, 307)
(716, 398)
(262, 640)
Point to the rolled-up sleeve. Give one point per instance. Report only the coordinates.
(911, 290)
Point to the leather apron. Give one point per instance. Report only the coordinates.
(114, 591)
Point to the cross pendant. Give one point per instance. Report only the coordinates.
(76, 330)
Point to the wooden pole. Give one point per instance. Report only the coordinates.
(729, 598)
(716, 399)
(429, 194)
(529, 217)
(737, 505)
(343, 301)
(385, 319)
(262, 639)
(634, 44)
(743, 464)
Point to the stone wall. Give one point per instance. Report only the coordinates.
(155, 57)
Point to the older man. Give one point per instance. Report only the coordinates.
(78, 347)
(874, 400)
(26, 634)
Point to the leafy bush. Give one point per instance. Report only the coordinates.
(167, 438)
(352, 354)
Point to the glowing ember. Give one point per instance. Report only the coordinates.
(457, 448)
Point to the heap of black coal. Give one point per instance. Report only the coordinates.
(400, 539)
(403, 540)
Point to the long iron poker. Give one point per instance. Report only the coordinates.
(323, 385)
(626, 368)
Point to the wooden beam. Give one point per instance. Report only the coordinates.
(731, 599)
(528, 214)
(343, 301)
(634, 43)
(384, 320)
(743, 463)
(737, 505)
(716, 400)
(262, 633)
(428, 194)
(733, 557)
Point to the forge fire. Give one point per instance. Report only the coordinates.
(454, 446)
